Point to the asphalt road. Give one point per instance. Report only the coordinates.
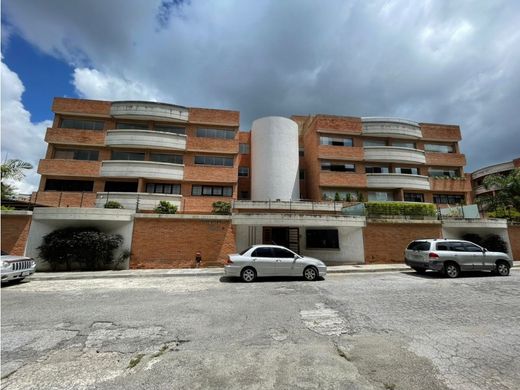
(350, 331)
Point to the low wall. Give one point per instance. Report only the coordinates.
(514, 240)
(15, 230)
(172, 241)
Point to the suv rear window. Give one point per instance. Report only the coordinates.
(419, 246)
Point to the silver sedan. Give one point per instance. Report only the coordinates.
(272, 260)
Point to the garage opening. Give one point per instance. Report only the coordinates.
(288, 237)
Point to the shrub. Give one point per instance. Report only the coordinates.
(6, 208)
(222, 208)
(165, 207)
(511, 214)
(87, 247)
(359, 197)
(400, 208)
(112, 204)
(475, 238)
(348, 197)
(494, 243)
(337, 198)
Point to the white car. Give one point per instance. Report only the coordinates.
(16, 268)
(272, 260)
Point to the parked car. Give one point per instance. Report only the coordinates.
(272, 260)
(16, 268)
(454, 256)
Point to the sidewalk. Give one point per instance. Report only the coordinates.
(144, 273)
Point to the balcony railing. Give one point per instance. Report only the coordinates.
(397, 180)
(137, 169)
(388, 127)
(145, 138)
(149, 110)
(137, 200)
(394, 154)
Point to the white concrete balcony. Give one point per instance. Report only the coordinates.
(149, 110)
(397, 180)
(391, 127)
(394, 154)
(145, 169)
(145, 138)
(137, 200)
(493, 169)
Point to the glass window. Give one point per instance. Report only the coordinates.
(441, 172)
(160, 188)
(82, 124)
(243, 171)
(374, 142)
(170, 129)
(69, 185)
(322, 238)
(217, 191)
(413, 197)
(438, 148)
(335, 141)
(243, 195)
(302, 174)
(207, 190)
(419, 246)
(196, 190)
(373, 169)
(328, 166)
(228, 191)
(301, 153)
(138, 126)
(448, 199)
(457, 247)
(167, 158)
(403, 144)
(210, 160)
(380, 196)
(407, 171)
(132, 156)
(211, 191)
(121, 186)
(262, 252)
(472, 248)
(442, 247)
(76, 154)
(283, 253)
(216, 133)
(243, 148)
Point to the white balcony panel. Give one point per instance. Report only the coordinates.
(391, 127)
(397, 180)
(493, 169)
(145, 138)
(129, 199)
(394, 154)
(149, 110)
(146, 169)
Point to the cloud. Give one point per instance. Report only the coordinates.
(432, 61)
(21, 139)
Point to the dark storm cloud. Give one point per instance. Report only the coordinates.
(440, 61)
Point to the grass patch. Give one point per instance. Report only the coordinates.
(135, 360)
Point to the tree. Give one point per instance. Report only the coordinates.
(165, 207)
(507, 189)
(222, 208)
(12, 170)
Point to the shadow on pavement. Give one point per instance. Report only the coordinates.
(228, 279)
(463, 275)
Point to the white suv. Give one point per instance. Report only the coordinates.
(16, 268)
(453, 256)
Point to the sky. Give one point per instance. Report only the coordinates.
(454, 62)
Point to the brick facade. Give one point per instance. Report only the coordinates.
(15, 231)
(514, 240)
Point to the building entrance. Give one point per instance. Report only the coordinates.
(288, 237)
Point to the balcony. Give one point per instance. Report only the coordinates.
(391, 127)
(149, 110)
(450, 184)
(74, 137)
(493, 169)
(394, 154)
(145, 138)
(137, 200)
(397, 180)
(77, 168)
(146, 169)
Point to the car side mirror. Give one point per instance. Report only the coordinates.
(296, 257)
(484, 250)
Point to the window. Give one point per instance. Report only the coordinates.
(438, 148)
(472, 248)
(133, 156)
(413, 197)
(301, 153)
(82, 124)
(212, 160)
(335, 141)
(282, 253)
(243, 195)
(374, 142)
(262, 252)
(380, 196)
(457, 247)
(448, 199)
(322, 238)
(170, 129)
(121, 186)
(302, 174)
(442, 247)
(436, 172)
(328, 166)
(76, 154)
(167, 158)
(161, 188)
(370, 169)
(216, 133)
(243, 148)
(403, 144)
(243, 171)
(137, 126)
(419, 246)
(211, 191)
(69, 185)
(407, 171)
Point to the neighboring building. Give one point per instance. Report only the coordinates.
(477, 177)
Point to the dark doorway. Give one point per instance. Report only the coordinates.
(288, 237)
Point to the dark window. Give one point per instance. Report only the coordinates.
(138, 126)
(170, 129)
(374, 142)
(244, 148)
(472, 248)
(435, 172)
(403, 144)
(77, 154)
(216, 133)
(243, 195)
(244, 251)
(376, 170)
(419, 246)
(69, 185)
(335, 141)
(442, 247)
(302, 174)
(82, 124)
(121, 186)
(438, 148)
(322, 238)
(448, 199)
(243, 171)
(211, 160)
(407, 171)
(197, 190)
(262, 252)
(133, 156)
(326, 166)
(167, 158)
(457, 247)
(161, 188)
(413, 197)
(301, 153)
(283, 253)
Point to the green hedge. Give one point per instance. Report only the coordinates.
(512, 214)
(400, 208)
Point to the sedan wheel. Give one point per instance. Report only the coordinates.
(310, 273)
(503, 269)
(248, 275)
(451, 270)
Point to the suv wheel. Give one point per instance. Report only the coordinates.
(502, 268)
(451, 270)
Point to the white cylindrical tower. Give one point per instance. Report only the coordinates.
(274, 159)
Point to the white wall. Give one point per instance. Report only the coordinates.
(458, 232)
(351, 250)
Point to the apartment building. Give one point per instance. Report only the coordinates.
(479, 175)
(138, 153)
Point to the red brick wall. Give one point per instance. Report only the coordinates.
(172, 243)
(514, 240)
(81, 106)
(432, 131)
(330, 152)
(339, 123)
(75, 137)
(342, 179)
(69, 168)
(211, 116)
(445, 159)
(15, 230)
(386, 242)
